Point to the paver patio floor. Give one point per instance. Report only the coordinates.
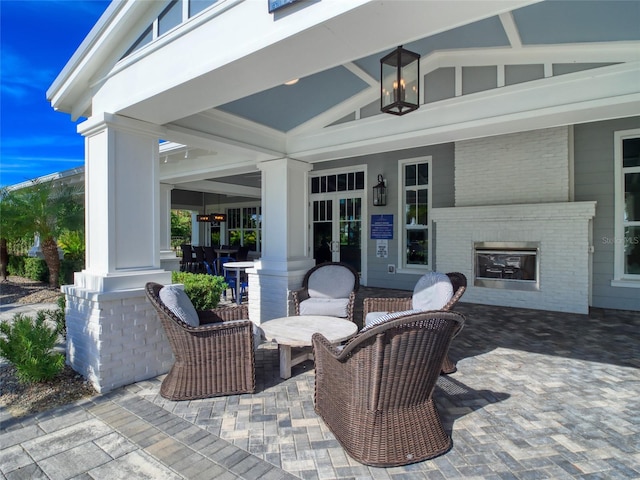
(536, 395)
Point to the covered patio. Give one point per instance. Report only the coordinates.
(537, 395)
(528, 122)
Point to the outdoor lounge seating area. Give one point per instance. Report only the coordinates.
(537, 394)
(360, 403)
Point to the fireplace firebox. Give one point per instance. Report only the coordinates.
(508, 265)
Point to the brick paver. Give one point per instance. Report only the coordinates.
(536, 395)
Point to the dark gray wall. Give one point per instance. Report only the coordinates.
(594, 180)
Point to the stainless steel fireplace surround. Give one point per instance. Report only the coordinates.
(507, 265)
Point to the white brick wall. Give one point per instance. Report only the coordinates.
(527, 167)
(563, 231)
(267, 291)
(115, 339)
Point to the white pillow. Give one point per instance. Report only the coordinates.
(386, 317)
(432, 292)
(177, 301)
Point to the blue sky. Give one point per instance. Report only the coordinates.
(37, 38)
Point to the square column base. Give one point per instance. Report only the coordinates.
(115, 338)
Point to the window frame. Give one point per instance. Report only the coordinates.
(620, 278)
(403, 266)
(242, 228)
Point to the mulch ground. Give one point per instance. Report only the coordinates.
(21, 399)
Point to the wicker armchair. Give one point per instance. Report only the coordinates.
(459, 282)
(328, 289)
(216, 358)
(375, 394)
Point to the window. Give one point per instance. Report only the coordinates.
(627, 224)
(414, 180)
(175, 13)
(170, 17)
(197, 6)
(244, 226)
(341, 182)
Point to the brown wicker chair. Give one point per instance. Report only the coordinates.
(459, 282)
(375, 393)
(322, 281)
(216, 358)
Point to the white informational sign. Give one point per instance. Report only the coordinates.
(382, 248)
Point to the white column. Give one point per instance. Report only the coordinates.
(285, 253)
(113, 334)
(168, 258)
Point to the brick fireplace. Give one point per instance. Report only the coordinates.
(559, 233)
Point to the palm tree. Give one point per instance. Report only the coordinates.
(47, 209)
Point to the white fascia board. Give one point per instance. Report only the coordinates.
(246, 50)
(73, 88)
(599, 94)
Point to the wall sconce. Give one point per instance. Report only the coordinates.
(380, 193)
(400, 82)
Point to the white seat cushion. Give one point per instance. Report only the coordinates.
(332, 307)
(178, 302)
(432, 292)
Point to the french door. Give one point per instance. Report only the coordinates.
(336, 228)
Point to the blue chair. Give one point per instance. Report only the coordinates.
(210, 263)
(230, 278)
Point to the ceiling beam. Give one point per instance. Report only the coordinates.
(221, 188)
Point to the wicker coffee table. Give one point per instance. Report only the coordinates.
(296, 332)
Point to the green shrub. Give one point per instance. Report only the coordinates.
(72, 244)
(57, 316)
(203, 290)
(16, 265)
(36, 269)
(28, 345)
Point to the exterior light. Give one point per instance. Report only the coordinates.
(380, 193)
(400, 82)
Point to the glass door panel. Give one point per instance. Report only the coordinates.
(350, 231)
(322, 231)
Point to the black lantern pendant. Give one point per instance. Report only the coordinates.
(400, 82)
(380, 193)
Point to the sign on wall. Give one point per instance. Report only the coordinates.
(381, 227)
(382, 248)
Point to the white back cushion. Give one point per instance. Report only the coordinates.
(331, 281)
(177, 301)
(432, 292)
